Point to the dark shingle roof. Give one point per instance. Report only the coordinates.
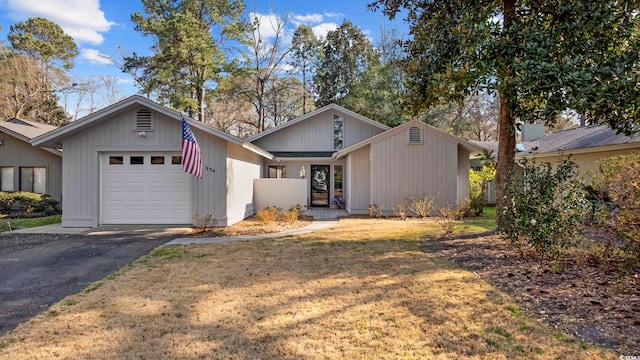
(28, 129)
(580, 138)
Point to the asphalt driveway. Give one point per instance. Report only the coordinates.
(39, 270)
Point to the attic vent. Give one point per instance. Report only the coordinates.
(415, 135)
(143, 120)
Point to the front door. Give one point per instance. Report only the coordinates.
(320, 186)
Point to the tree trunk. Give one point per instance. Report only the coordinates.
(506, 154)
(506, 122)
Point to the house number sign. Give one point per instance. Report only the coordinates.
(209, 169)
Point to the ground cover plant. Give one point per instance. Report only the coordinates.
(364, 289)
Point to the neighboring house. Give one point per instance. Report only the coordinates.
(342, 154)
(122, 165)
(27, 168)
(586, 145)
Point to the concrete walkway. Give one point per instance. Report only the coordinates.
(314, 226)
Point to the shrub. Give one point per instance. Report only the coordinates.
(400, 211)
(267, 214)
(30, 203)
(620, 176)
(544, 208)
(301, 209)
(447, 217)
(375, 210)
(203, 223)
(423, 206)
(478, 180)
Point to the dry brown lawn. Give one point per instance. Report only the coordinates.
(360, 290)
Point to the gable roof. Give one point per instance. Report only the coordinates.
(471, 147)
(330, 107)
(55, 137)
(582, 139)
(26, 130)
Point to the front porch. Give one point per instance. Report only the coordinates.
(326, 214)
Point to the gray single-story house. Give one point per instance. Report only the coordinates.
(27, 168)
(343, 154)
(122, 165)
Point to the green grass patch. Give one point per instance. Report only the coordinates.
(516, 312)
(70, 302)
(485, 222)
(169, 252)
(29, 222)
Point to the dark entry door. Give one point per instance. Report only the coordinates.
(320, 185)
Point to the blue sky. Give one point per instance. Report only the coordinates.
(101, 27)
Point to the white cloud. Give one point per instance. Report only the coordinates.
(307, 19)
(267, 24)
(95, 57)
(81, 19)
(321, 30)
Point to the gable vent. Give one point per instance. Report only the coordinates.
(143, 120)
(415, 135)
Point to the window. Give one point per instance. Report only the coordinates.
(143, 120)
(116, 160)
(277, 171)
(415, 135)
(337, 181)
(136, 160)
(33, 179)
(157, 160)
(6, 179)
(338, 133)
(176, 160)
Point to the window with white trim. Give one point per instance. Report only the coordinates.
(6, 178)
(33, 179)
(415, 135)
(277, 171)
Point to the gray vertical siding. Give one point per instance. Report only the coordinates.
(400, 170)
(81, 165)
(210, 193)
(16, 153)
(358, 173)
(316, 134)
(463, 175)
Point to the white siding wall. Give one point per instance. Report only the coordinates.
(282, 193)
(243, 167)
(81, 188)
(16, 153)
(358, 190)
(316, 134)
(400, 170)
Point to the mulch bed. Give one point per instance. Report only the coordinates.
(580, 295)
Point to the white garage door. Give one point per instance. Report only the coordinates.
(144, 188)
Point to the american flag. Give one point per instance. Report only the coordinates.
(191, 156)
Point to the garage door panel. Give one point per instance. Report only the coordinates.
(145, 194)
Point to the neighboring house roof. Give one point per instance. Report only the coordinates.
(330, 107)
(469, 146)
(26, 130)
(580, 140)
(55, 137)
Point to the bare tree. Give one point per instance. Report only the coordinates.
(267, 54)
